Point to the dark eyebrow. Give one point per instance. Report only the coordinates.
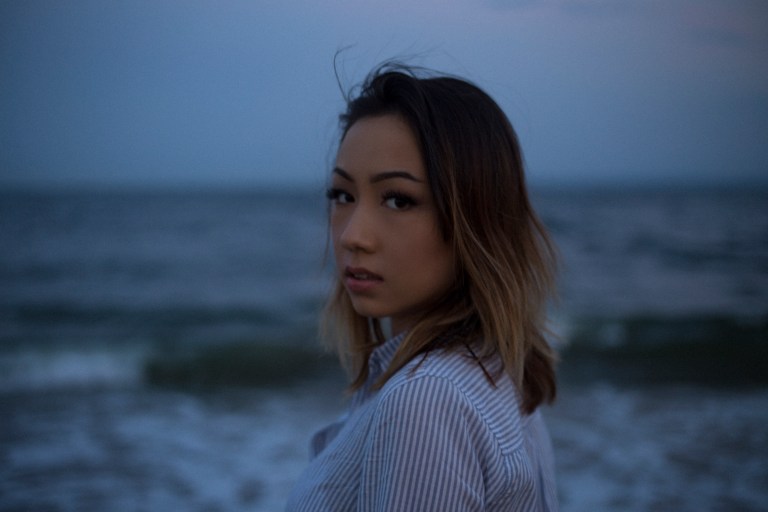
(394, 174)
(341, 172)
(381, 176)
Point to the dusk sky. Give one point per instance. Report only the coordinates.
(243, 93)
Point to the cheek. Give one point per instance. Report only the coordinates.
(435, 260)
(444, 271)
(335, 228)
(337, 251)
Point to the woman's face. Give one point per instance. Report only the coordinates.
(389, 251)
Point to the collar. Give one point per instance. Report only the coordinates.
(383, 354)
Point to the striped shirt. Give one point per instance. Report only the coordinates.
(436, 437)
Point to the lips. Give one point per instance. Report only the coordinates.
(360, 280)
(361, 274)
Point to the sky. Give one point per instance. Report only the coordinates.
(233, 94)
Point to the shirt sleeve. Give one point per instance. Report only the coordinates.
(419, 455)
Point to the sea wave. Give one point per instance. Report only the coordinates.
(719, 351)
(193, 369)
(240, 364)
(69, 368)
(709, 350)
(51, 324)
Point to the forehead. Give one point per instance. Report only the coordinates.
(381, 143)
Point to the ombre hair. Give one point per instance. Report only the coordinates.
(505, 260)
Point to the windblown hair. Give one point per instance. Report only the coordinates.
(505, 260)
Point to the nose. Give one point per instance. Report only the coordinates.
(356, 231)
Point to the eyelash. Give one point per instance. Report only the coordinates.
(336, 194)
(398, 196)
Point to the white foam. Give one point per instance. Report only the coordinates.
(53, 369)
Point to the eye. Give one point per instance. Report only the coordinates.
(339, 196)
(398, 201)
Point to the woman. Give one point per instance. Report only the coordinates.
(433, 235)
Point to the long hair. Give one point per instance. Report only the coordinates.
(506, 261)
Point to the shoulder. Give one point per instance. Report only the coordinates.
(453, 386)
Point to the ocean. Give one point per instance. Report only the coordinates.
(158, 350)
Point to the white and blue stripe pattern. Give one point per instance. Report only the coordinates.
(437, 437)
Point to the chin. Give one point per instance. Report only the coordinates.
(369, 311)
